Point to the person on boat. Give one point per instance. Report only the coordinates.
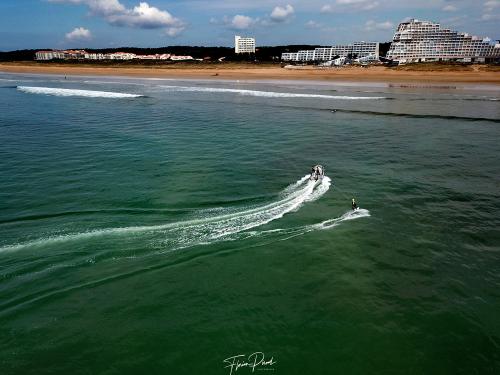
(316, 173)
(353, 204)
(313, 173)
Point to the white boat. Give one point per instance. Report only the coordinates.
(317, 173)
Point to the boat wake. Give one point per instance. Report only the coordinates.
(286, 234)
(72, 92)
(141, 242)
(267, 94)
(204, 229)
(226, 225)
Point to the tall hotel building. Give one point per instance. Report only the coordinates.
(244, 45)
(358, 49)
(419, 41)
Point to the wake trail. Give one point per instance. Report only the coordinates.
(202, 229)
(301, 230)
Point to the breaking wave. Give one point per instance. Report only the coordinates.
(73, 92)
(203, 229)
(268, 94)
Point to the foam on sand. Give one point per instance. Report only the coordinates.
(268, 94)
(73, 92)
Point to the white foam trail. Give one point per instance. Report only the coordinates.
(208, 229)
(268, 94)
(72, 92)
(350, 215)
(288, 233)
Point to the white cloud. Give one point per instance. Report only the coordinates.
(174, 31)
(98, 7)
(450, 8)
(312, 24)
(372, 25)
(490, 17)
(280, 14)
(79, 33)
(491, 4)
(454, 21)
(490, 11)
(240, 22)
(359, 4)
(326, 9)
(142, 16)
(349, 5)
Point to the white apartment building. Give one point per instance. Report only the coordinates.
(358, 49)
(62, 55)
(244, 45)
(49, 55)
(80, 54)
(420, 41)
(181, 58)
(120, 56)
(94, 56)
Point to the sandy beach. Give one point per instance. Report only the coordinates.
(471, 75)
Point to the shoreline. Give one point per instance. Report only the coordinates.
(375, 74)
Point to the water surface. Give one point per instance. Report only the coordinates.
(161, 226)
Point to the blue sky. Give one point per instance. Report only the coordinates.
(155, 23)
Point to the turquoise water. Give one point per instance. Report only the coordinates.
(161, 226)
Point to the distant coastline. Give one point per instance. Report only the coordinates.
(429, 74)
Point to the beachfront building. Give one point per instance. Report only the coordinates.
(420, 41)
(84, 55)
(355, 50)
(94, 56)
(120, 56)
(244, 45)
(181, 58)
(49, 55)
(74, 54)
(60, 55)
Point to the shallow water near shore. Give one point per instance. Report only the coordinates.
(162, 226)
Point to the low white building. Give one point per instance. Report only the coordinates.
(356, 50)
(181, 58)
(121, 56)
(146, 57)
(84, 55)
(49, 55)
(74, 54)
(244, 45)
(94, 56)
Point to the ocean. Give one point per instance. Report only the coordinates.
(158, 226)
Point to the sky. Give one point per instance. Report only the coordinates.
(55, 24)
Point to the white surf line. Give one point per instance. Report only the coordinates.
(206, 229)
(73, 92)
(268, 94)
